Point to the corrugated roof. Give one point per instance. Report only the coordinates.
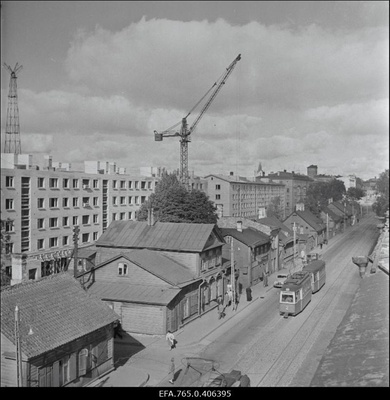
(160, 236)
(144, 294)
(248, 236)
(56, 308)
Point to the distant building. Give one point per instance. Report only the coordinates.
(237, 196)
(295, 184)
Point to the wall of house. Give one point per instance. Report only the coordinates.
(135, 275)
(143, 318)
(8, 371)
(50, 359)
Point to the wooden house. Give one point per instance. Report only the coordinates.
(174, 273)
(307, 223)
(333, 220)
(344, 211)
(65, 335)
(251, 253)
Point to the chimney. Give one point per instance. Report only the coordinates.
(150, 217)
(262, 212)
(239, 226)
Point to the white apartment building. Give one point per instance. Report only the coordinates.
(240, 197)
(44, 205)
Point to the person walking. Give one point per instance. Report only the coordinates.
(171, 340)
(172, 371)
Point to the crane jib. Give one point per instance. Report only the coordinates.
(185, 131)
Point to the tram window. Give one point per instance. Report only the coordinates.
(287, 298)
(297, 295)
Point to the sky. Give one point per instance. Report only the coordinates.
(99, 77)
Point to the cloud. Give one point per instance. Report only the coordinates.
(298, 96)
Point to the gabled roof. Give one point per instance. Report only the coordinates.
(346, 210)
(332, 214)
(56, 308)
(311, 220)
(157, 264)
(144, 294)
(248, 236)
(160, 236)
(241, 179)
(272, 221)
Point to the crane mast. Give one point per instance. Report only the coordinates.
(185, 132)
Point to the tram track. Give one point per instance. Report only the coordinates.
(284, 368)
(274, 357)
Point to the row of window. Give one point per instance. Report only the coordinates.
(73, 366)
(54, 202)
(65, 240)
(132, 215)
(252, 188)
(67, 183)
(54, 221)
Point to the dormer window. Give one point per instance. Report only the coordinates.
(122, 269)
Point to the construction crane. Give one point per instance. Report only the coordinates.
(186, 131)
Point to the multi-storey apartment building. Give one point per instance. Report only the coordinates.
(44, 205)
(240, 197)
(295, 187)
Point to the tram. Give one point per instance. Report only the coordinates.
(295, 293)
(318, 274)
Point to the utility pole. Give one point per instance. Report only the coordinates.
(327, 227)
(76, 231)
(233, 273)
(18, 349)
(295, 232)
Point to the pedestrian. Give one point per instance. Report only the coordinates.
(265, 279)
(172, 371)
(171, 340)
(248, 294)
(227, 300)
(320, 245)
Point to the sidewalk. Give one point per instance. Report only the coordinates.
(149, 366)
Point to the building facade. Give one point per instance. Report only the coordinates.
(240, 197)
(184, 260)
(44, 205)
(296, 186)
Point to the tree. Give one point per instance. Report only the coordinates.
(354, 193)
(274, 207)
(173, 203)
(4, 239)
(319, 193)
(381, 204)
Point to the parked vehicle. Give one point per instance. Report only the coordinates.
(312, 257)
(281, 278)
(204, 372)
(295, 294)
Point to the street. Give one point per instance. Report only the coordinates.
(274, 351)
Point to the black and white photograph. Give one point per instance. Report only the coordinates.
(194, 195)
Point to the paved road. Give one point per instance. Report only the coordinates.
(274, 351)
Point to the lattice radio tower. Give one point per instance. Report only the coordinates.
(12, 129)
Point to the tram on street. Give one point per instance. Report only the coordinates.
(318, 274)
(295, 293)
